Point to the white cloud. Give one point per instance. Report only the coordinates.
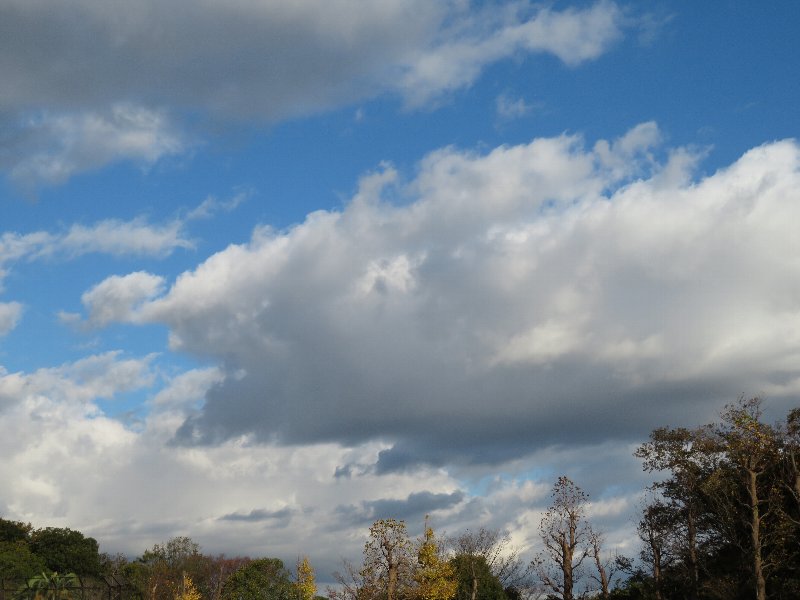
(118, 298)
(50, 148)
(212, 205)
(573, 35)
(509, 108)
(77, 385)
(187, 389)
(10, 313)
(120, 238)
(136, 237)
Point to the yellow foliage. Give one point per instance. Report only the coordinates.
(306, 585)
(187, 590)
(435, 576)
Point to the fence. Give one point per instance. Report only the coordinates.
(111, 587)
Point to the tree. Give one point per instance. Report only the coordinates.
(606, 567)
(791, 458)
(14, 531)
(64, 550)
(187, 590)
(492, 548)
(725, 524)
(434, 575)
(305, 584)
(387, 560)
(687, 455)
(159, 571)
(751, 449)
(475, 579)
(566, 535)
(18, 563)
(262, 579)
(654, 529)
(175, 553)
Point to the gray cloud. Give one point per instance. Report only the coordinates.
(259, 514)
(269, 59)
(413, 507)
(96, 82)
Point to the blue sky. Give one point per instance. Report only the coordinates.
(295, 262)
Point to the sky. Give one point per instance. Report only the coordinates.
(272, 270)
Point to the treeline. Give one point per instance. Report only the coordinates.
(722, 522)
(53, 563)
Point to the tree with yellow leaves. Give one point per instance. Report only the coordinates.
(187, 590)
(435, 576)
(305, 583)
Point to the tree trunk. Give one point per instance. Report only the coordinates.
(656, 551)
(566, 568)
(392, 585)
(755, 531)
(691, 534)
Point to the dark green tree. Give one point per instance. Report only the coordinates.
(14, 531)
(475, 579)
(18, 563)
(500, 556)
(66, 551)
(262, 579)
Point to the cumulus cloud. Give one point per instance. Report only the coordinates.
(92, 83)
(465, 326)
(117, 298)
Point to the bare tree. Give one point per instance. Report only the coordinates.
(350, 584)
(606, 566)
(566, 536)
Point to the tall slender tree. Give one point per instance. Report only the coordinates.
(434, 575)
(566, 537)
(684, 454)
(304, 579)
(750, 448)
